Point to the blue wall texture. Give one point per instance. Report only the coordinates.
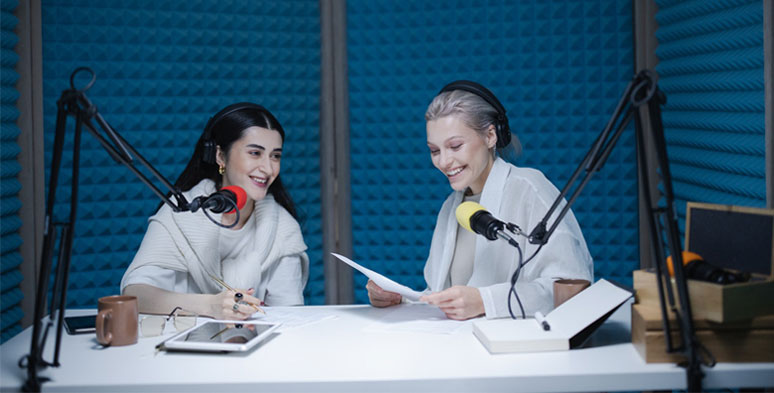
(711, 67)
(10, 222)
(163, 68)
(559, 67)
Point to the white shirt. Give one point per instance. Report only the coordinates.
(521, 196)
(464, 252)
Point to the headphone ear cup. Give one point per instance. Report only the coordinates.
(210, 151)
(502, 129)
(209, 155)
(503, 133)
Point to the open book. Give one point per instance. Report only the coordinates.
(571, 323)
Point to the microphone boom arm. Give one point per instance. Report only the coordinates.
(77, 104)
(643, 90)
(74, 102)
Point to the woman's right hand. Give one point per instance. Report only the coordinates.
(381, 298)
(227, 306)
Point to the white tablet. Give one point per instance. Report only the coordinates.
(224, 336)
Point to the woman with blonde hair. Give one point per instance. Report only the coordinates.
(467, 275)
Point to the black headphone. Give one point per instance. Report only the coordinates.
(502, 129)
(210, 147)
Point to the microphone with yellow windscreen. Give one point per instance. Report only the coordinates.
(465, 212)
(475, 218)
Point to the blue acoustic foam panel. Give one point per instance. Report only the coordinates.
(559, 68)
(10, 222)
(163, 68)
(711, 68)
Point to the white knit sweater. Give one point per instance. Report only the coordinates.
(189, 243)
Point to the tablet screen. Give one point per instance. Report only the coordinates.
(222, 336)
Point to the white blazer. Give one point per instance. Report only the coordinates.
(521, 196)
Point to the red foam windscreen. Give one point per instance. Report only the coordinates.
(241, 196)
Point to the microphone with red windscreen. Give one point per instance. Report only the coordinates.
(222, 201)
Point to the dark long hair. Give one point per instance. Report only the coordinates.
(225, 131)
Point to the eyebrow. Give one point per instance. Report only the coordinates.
(448, 139)
(254, 146)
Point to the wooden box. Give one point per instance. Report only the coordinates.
(748, 341)
(714, 302)
(730, 237)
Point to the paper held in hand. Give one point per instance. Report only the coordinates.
(382, 281)
(571, 323)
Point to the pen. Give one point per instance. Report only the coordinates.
(542, 320)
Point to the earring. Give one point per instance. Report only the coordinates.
(221, 170)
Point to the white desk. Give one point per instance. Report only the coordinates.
(337, 355)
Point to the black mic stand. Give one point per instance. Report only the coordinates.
(74, 102)
(643, 90)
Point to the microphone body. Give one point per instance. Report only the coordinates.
(696, 268)
(474, 217)
(222, 201)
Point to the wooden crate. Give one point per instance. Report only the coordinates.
(714, 302)
(732, 237)
(746, 341)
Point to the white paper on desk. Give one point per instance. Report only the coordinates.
(382, 281)
(291, 317)
(416, 318)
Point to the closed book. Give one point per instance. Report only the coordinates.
(570, 324)
(518, 335)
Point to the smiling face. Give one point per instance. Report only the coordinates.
(253, 161)
(460, 153)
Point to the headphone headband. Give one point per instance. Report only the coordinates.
(502, 128)
(210, 147)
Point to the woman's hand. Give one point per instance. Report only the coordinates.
(458, 302)
(381, 298)
(229, 305)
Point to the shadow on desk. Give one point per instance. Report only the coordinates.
(610, 333)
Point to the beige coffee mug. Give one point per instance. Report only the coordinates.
(566, 288)
(117, 320)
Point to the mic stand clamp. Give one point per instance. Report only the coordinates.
(514, 229)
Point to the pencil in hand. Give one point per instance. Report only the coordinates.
(224, 285)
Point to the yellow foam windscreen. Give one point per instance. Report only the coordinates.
(466, 210)
(687, 257)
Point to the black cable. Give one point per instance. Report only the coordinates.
(236, 211)
(513, 282)
(515, 278)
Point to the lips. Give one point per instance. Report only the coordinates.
(259, 181)
(454, 172)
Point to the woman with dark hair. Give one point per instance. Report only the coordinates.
(262, 256)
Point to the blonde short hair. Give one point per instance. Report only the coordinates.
(473, 111)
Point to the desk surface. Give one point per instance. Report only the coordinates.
(339, 355)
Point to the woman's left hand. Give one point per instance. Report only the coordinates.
(458, 302)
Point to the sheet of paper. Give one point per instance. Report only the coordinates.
(416, 318)
(293, 317)
(382, 281)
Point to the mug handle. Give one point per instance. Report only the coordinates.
(104, 336)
